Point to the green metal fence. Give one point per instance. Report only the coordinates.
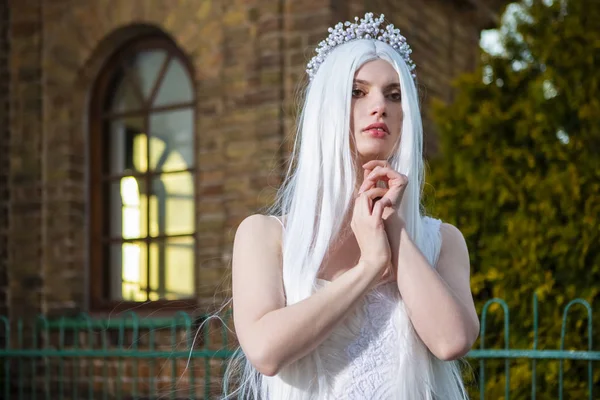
(170, 358)
(85, 358)
(535, 354)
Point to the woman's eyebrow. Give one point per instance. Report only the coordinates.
(388, 86)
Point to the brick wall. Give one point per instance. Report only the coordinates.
(235, 48)
(26, 159)
(249, 56)
(4, 152)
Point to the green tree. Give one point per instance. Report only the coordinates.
(519, 174)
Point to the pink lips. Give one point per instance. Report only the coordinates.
(377, 130)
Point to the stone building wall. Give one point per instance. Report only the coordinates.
(248, 55)
(4, 153)
(25, 174)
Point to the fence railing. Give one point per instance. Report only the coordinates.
(535, 354)
(128, 357)
(171, 358)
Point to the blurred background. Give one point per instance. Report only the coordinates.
(135, 135)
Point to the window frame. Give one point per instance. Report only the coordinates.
(99, 206)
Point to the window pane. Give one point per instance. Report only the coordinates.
(146, 65)
(158, 150)
(125, 98)
(176, 86)
(128, 208)
(172, 204)
(147, 180)
(128, 146)
(173, 148)
(172, 275)
(129, 274)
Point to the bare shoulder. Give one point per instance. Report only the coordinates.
(451, 236)
(454, 252)
(257, 221)
(257, 258)
(259, 229)
(257, 283)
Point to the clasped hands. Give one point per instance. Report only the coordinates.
(380, 170)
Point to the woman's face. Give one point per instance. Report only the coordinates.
(376, 112)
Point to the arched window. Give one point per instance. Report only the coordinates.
(142, 177)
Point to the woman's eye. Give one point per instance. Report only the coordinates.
(357, 93)
(396, 96)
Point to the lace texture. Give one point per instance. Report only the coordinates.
(374, 354)
(363, 352)
(371, 355)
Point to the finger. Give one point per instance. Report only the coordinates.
(375, 192)
(363, 205)
(376, 176)
(368, 169)
(358, 200)
(397, 186)
(396, 182)
(366, 185)
(378, 210)
(366, 173)
(371, 178)
(384, 203)
(383, 173)
(373, 163)
(374, 196)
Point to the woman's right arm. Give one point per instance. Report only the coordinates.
(272, 334)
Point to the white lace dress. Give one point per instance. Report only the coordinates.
(374, 354)
(360, 354)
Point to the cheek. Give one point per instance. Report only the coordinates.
(357, 111)
(398, 118)
(353, 114)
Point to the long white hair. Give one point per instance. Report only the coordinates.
(317, 191)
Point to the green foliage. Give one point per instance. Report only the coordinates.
(519, 174)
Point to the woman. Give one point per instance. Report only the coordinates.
(352, 293)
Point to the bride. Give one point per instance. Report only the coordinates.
(349, 291)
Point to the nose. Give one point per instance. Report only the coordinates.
(378, 106)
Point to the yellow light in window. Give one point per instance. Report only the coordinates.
(130, 197)
(140, 149)
(131, 263)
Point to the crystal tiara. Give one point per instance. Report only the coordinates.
(366, 28)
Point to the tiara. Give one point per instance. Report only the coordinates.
(366, 28)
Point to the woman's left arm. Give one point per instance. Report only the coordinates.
(438, 300)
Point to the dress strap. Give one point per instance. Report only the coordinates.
(432, 238)
(433, 224)
(277, 218)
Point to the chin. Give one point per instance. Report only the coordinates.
(373, 154)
